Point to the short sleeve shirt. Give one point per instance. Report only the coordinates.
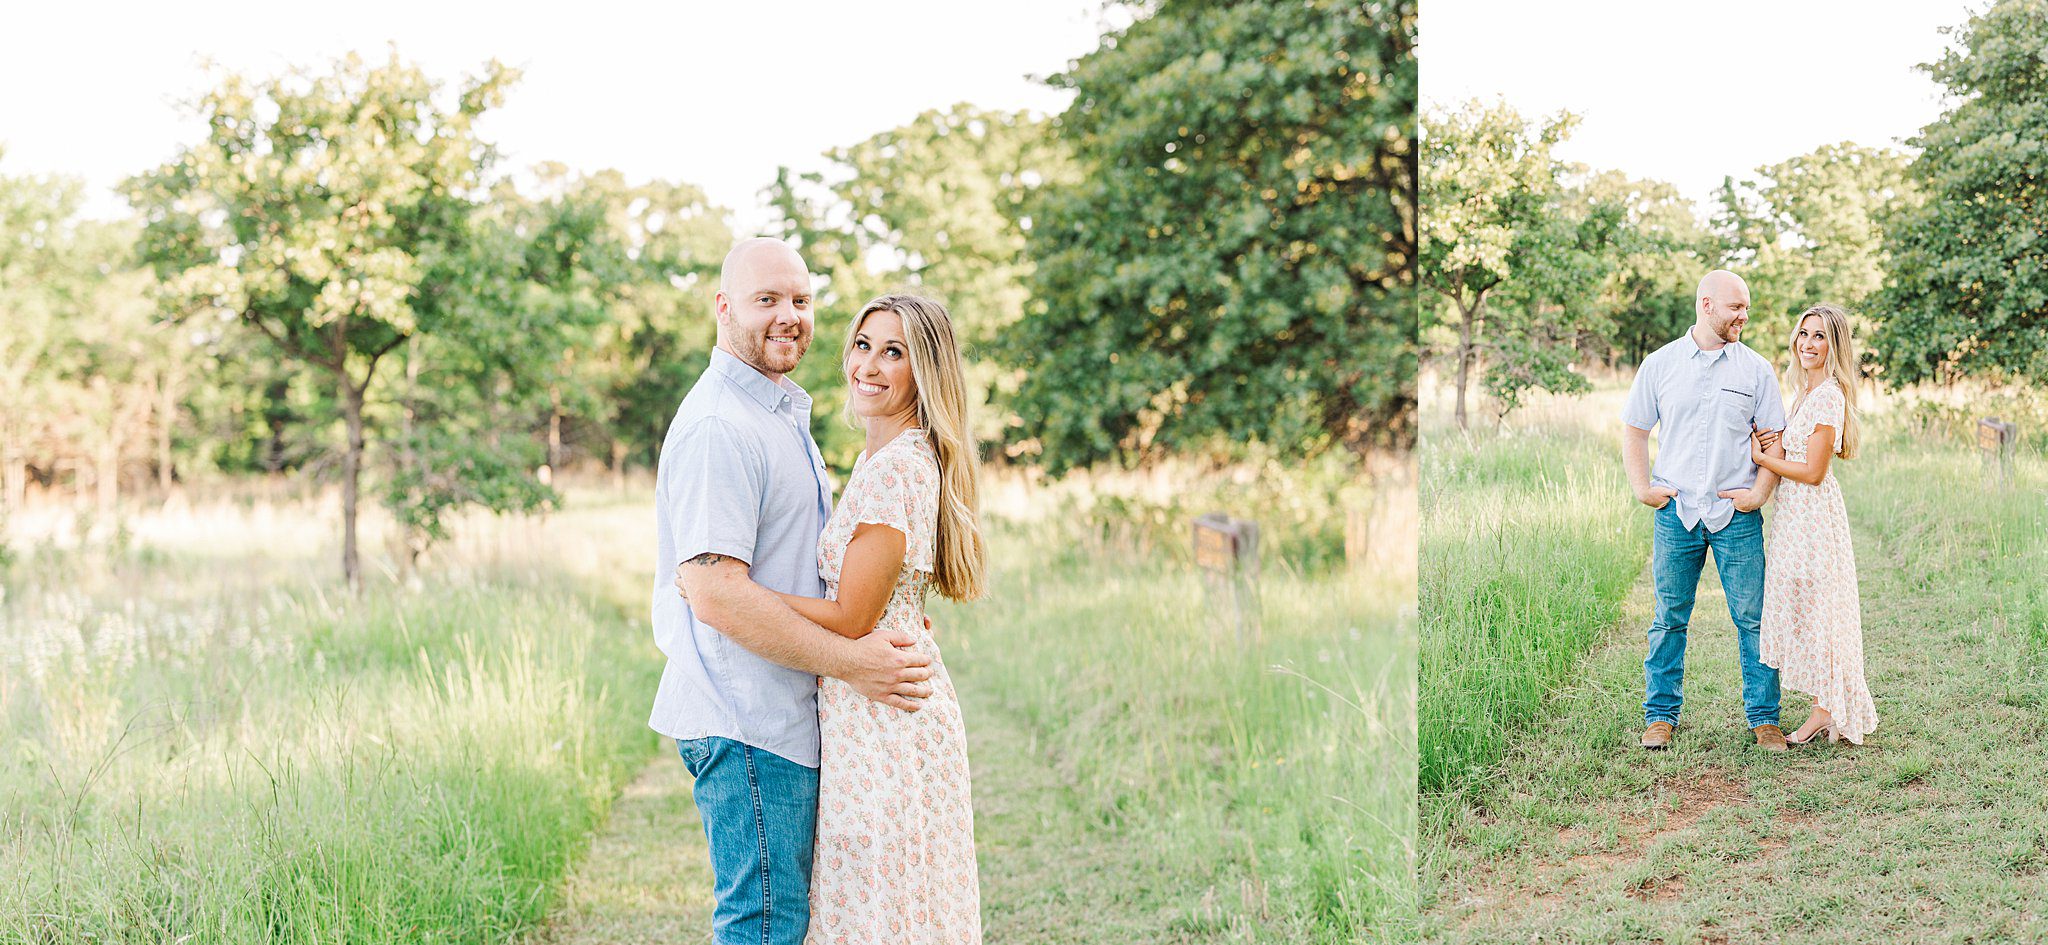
(739, 476)
(1703, 405)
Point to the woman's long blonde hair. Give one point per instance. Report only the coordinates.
(1841, 365)
(942, 414)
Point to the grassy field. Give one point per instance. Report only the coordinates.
(1936, 830)
(203, 737)
(1142, 778)
(1525, 559)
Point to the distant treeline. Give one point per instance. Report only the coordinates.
(1536, 266)
(1210, 248)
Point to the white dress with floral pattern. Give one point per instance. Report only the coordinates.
(1812, 622)
(895, 850)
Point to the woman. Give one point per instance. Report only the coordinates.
(1812, 629)
(894, 857)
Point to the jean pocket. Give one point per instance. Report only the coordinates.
(695, 752)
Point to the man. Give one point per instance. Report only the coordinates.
(1709, 392)
(742, 494)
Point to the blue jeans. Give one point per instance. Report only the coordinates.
(760, 813)
(1677, 555)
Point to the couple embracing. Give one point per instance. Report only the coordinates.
(803, 687)
(1726, 448)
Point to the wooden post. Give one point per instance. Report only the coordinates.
(1995, 439)
(1227, 551)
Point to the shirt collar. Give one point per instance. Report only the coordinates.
(773, 395)
(1694, 349)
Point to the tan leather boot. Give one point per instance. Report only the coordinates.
(1658, 736)
(1769, 737)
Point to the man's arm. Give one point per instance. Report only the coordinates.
(1635, 458)
(879, 665)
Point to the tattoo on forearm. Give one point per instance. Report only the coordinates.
(707, 559)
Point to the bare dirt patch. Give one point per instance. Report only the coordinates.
(1584, 861)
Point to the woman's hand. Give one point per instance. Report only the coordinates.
(1758, 450)
(681, 588)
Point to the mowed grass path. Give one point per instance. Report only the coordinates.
(1936, 830)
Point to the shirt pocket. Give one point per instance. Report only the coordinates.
(1736, 408)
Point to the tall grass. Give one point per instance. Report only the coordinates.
(1530, 539)
(206, 747)
(1282, 770)
(1959, 522)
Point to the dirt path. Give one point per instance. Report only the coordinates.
(1936, 830)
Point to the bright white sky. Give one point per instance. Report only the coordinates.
(714, 94)
(1691, 92)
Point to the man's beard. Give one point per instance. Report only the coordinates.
(753, 349)
(1728, 332)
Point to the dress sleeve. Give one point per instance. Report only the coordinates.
(901, 491)
(1828, 408)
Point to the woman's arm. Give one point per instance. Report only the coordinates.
(1820, 448)
(867, 576)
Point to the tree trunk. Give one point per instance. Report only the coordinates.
(619, 464)
(106, 472)
(1464, 356)
(13, 480)
(351, 475)
(414, 537)
(166, 415)
(554, 460)
(106, 475)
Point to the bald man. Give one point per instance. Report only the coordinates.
(1708, 392)
(741, 495)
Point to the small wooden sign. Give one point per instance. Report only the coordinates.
(1215, 545)
(1995, 439)
(1994, 434)
(1227, 552)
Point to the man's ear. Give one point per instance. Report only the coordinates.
(721, 308)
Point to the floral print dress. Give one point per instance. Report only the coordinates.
(1812, 624)
(895, 850)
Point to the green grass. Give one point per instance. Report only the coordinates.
(202, 736)
(1526, 554)
(208, 746)
(1935, 830)
(1142, 777)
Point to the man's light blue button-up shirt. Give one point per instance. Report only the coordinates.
(739, 476)
(1707, 402)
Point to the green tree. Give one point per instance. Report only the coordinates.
(1514, 254)
(660, 331)
(36, 271)
(1809, 230)
(809, 216)
(1233, 260)
(1658, 257)
(333, 214)
(92, 380)
(1967, 288)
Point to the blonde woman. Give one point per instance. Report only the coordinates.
(1812, 624)
(894, 857)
